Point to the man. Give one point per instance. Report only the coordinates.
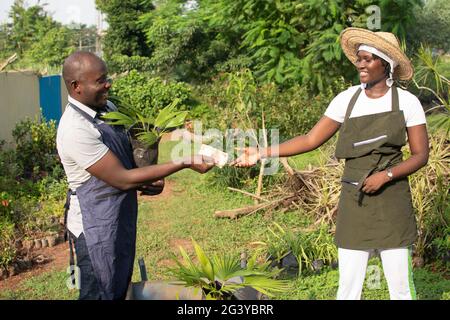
(103, 178)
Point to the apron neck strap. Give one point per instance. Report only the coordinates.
(352, 104)
(83, 113)
(395, 103)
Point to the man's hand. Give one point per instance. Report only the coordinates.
(153, 188)
(374, 182)
(200, 164)
(248, 158)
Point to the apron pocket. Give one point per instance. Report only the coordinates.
(369, 141)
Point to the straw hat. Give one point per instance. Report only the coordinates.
(386, 42)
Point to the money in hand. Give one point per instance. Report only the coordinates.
(220, 157)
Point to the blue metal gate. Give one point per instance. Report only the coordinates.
(50, 97)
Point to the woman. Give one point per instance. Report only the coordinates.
(373, 119)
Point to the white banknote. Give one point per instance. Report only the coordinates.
(220, 157)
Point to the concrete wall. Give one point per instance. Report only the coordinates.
(19, 98)
(22, 96)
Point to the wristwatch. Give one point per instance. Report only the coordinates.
(390, 174)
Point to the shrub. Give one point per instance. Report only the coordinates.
(307, 247)
(148, 94)
(221, 276)
(32, 188)
(36, 153)
(123, 63)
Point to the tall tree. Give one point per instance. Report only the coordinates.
(183, 44)
(35, 37)
(296, 41)
(125, 35)
(28, 25)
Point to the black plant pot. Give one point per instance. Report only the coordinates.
(146, 156)
(289, 261)
(143, 155)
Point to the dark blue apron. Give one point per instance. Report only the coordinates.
(110, 217)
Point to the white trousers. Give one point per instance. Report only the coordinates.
(397, 267)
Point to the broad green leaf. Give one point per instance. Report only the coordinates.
(177, 120)
(204, 261)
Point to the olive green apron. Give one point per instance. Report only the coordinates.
(370, 144)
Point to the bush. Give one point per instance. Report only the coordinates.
(32, 188)
(311, 249)
(122, 63)
(433, 17)
(149, 94)
(36, 153)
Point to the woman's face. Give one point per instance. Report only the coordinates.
(369, 68)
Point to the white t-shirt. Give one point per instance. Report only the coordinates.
(408, 103)
(79, 146)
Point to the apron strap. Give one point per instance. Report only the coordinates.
(68, 235)
(98, 115)
(395, 103)
(352, 104)
(83, 113)
(66, 211)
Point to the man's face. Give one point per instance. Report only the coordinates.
(93, 85)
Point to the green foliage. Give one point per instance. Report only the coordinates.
(432, 25)
(220, 276)
(119, 63)
(28, 25)
(432, 84)
(292, 111)
(149, 94)
(35, 142)
(298, 41)
(7, 251)
(307, 247)
(285, 42)
(437, 224)
(35, 37)
(31, 186)
(53, 47)
(147, 129)
(125, 35)
(183, 44)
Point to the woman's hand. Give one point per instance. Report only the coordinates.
(249, 157)
(374, 182)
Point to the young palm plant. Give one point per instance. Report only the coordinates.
(221, 276)
(143, 125)
(429, 78)
(311, 249)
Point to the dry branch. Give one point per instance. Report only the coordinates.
(248, 194)
(8, 61)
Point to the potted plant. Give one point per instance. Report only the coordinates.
(300, 250)
(146, 130)
(223, 277)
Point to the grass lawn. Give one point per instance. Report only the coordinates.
(187, 212)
